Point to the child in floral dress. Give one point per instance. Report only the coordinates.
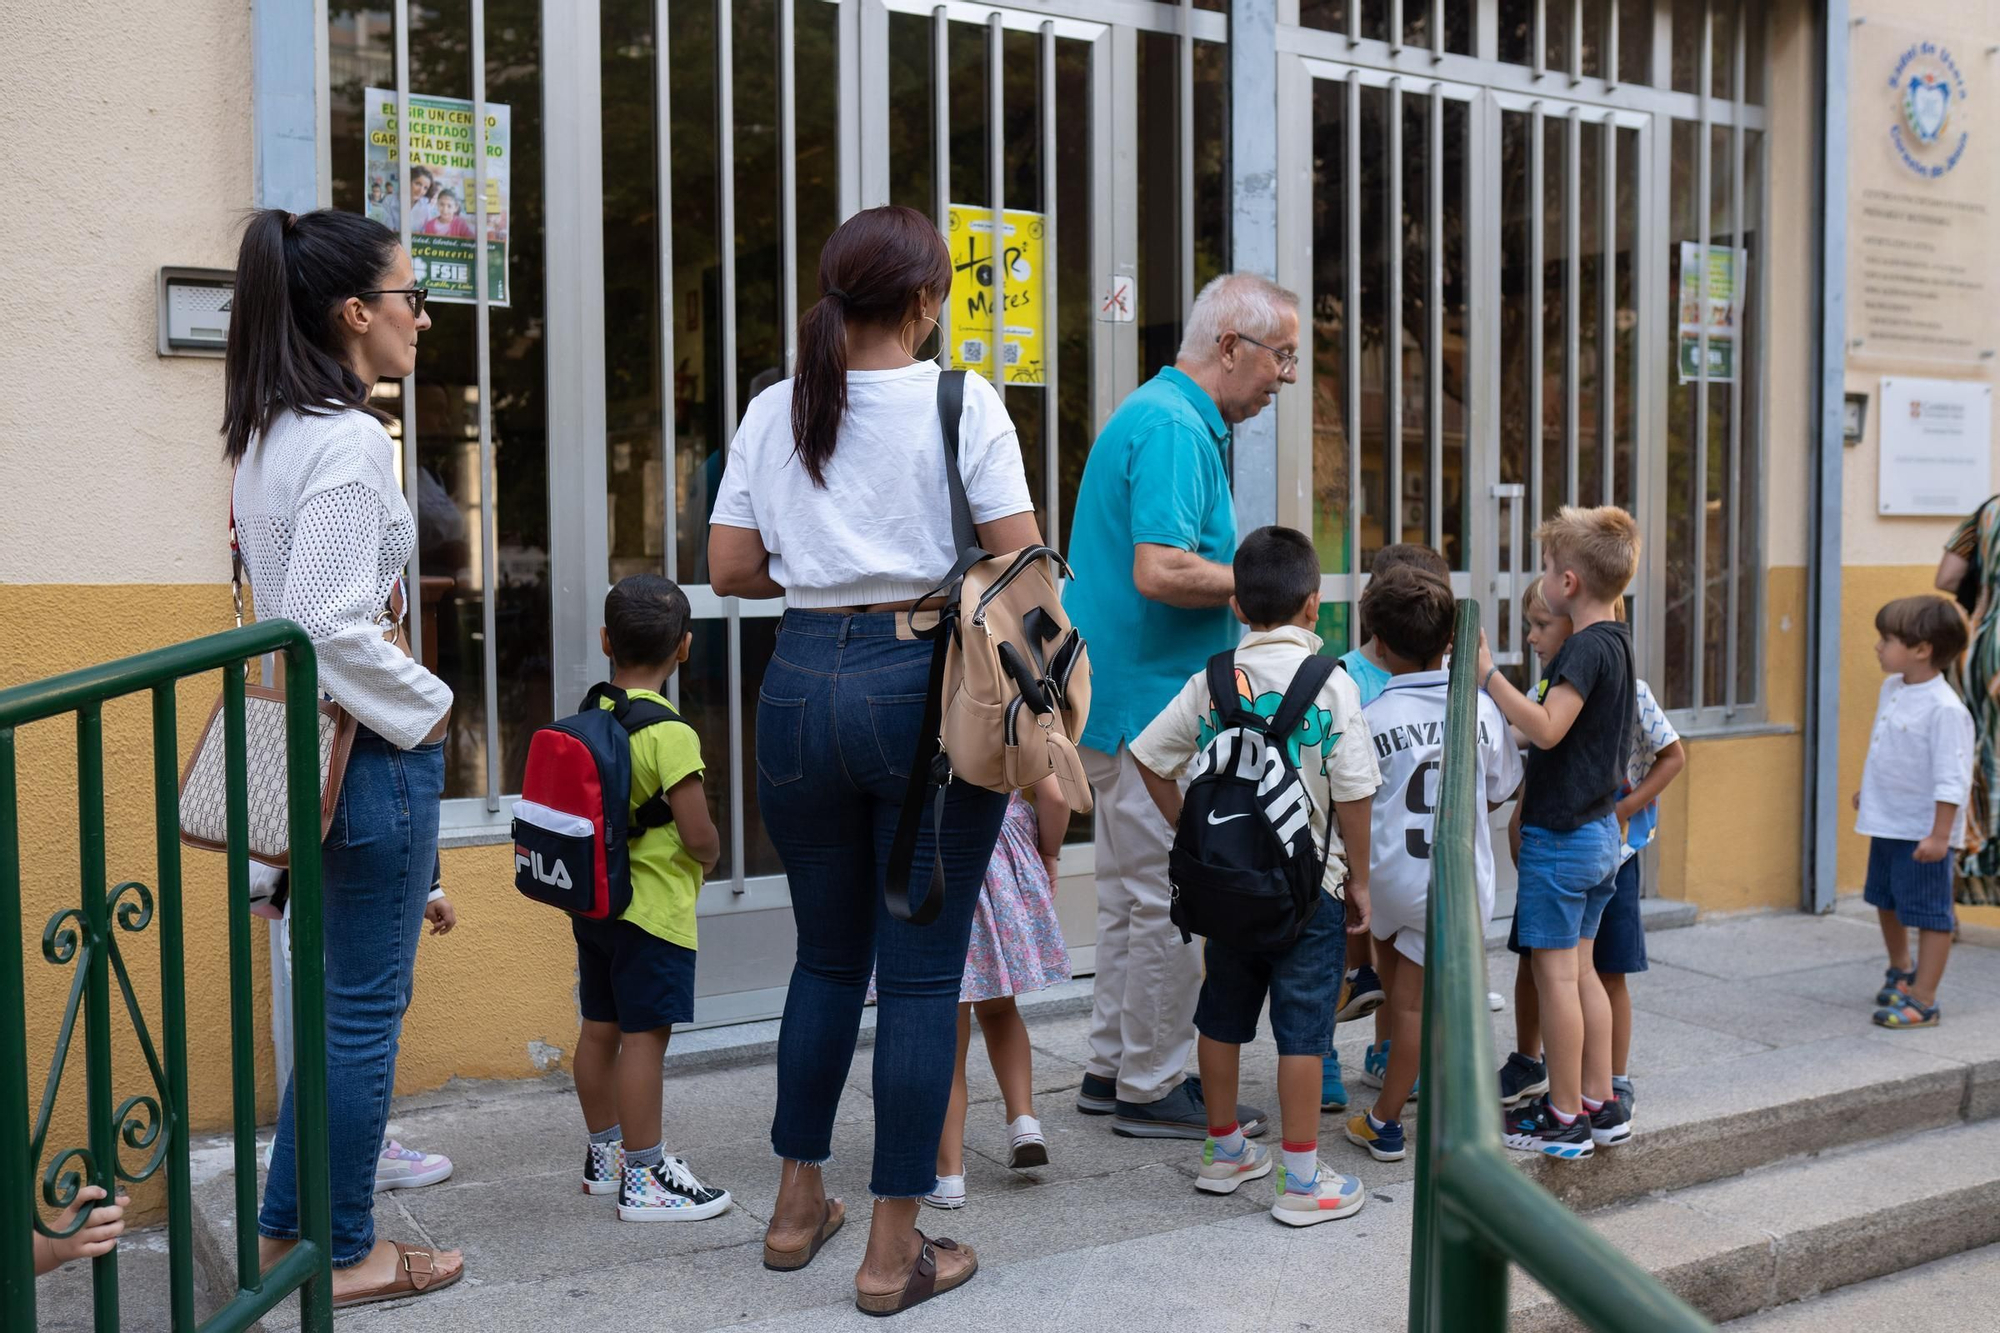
(1017, 948)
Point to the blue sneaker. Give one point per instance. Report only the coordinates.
(1332, 1092)
(1375, 1068)
(1384, 1142)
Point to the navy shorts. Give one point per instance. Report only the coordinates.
(1303, 984)
(629, 976)
(1621, 935)
(1919, 894)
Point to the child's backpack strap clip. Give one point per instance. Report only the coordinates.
(635, 715)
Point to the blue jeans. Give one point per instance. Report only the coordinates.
(1566, 879)
(376, 867)
(1302, 983)
(837, 723)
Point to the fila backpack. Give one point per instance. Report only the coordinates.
(574, 823)
(1245, 869)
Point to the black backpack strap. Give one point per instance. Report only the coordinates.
(635, 715)
(950, 407)
(1307, 681)
(930, 776)
(1221, 672)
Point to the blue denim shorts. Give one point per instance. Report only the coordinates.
(1621, 935)
(1303, 984)
(1919, 894)
(1566, 880)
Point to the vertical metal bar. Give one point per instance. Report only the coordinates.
(872, 142)
(1607, 317)
(489, 481)
(309, 1007)
(847, 79)
(1609, 55)
(1052, 317)
(996, 176)
(1537, 327)
(1572, 299)
(788, 183)
(941, 148)
(1434, 304)
(1576, 42)
(1437, 30)
(1353, 22)
(1395, 26)
(1351, 331)
(1732, 485)
(725, 119)
(17, 1198)
(1698, 628)
(663, 169)
(323, 114)
(243, 1063)
(1540, 55)
(96, 960)
(1185, 120)
(412, 490)
(173, 1005)
(1113, 348)
(1393, 326)
(1823, 561)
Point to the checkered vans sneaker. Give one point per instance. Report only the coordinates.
(601, 1164)
(668, 1192)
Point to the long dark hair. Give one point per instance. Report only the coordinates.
(292, 274)
(870, 269)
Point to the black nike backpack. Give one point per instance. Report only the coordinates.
(1245, 868)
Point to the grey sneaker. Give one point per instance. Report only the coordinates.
(1522, 1080)
(1181, 1114)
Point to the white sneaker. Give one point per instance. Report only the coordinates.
(400, 1168)
(1222, 1174)
(667, 1192)
(948, 1193)
(1029, 1147)
(1332, 1196)
(1495, 1001)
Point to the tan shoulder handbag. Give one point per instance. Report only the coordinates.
(204, 810)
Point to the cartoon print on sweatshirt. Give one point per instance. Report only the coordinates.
(1314, 729)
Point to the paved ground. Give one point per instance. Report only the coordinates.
(1112, 1233)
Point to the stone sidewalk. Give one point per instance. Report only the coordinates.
(1112, 1233)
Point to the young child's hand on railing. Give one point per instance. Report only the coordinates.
(100, 1237)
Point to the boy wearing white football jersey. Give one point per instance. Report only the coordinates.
(1411, 612)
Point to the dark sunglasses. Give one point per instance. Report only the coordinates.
(416, 296)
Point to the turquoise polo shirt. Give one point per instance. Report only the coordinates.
(1158, 473)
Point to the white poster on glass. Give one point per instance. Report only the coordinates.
(1937, 446)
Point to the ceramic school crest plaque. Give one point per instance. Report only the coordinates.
(1928, 88)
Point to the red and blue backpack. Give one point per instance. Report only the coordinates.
(574, 823)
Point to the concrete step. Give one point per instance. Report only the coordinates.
(1798, 1228)
(1961, 1292)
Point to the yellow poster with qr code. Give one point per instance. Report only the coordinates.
(1013, 323)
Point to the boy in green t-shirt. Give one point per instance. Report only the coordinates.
(635, 975)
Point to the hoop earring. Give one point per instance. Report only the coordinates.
(910, 349)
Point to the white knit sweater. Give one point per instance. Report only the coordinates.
(325, 533)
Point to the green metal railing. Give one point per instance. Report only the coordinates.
(156, 1123)
(1476, 1211)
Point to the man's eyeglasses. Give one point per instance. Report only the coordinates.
(416, 296)
(1286, 360)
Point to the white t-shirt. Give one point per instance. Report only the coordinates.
(880, 529)
(1332, 753)
(1406, 722)
(1920, 753)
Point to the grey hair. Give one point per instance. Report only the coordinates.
(1246, 303)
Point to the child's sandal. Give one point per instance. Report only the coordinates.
(1896, 985)
(1907, 1014)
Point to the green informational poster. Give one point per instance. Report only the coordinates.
(439, 195)
(1726, 271)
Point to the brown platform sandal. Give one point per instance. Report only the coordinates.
(923, 1280)
(416, 1275)
(790, 1261)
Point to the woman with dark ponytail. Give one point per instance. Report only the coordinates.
(324, 308)
(835, 498)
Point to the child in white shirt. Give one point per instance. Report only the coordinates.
(1912, 801)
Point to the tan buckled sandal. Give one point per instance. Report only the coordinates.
(833, 1216)
(923, 1280)
(416, 1275)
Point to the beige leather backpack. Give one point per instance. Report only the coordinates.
(1010, 681)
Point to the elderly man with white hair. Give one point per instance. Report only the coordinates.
(1153, 535)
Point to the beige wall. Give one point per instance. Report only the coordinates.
(128, 141)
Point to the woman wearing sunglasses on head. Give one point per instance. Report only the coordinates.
(325, 306)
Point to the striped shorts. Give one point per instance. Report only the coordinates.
(1919, 894)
